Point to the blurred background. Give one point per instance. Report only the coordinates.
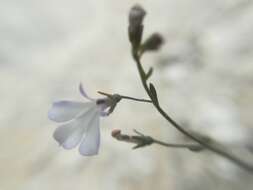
(203, 76)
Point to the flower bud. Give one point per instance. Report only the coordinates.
(136, 15)
(135, 28)
(153, 43)
(135, 35)
(115, 132)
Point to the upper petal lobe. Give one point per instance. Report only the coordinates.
(62, 111)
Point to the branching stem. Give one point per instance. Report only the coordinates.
(216, 149)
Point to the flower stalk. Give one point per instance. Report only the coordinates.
(142, 140)
(125, 97)
(151, 92)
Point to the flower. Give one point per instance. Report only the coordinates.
(81, 122)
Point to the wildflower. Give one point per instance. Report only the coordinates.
(81, 121)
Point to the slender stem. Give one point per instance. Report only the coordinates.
(143, 140)
(208, 146)
(125, 97)
(135, 99)
(172, 145)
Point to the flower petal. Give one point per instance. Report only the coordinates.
(69, 135)
(104, 113)
(82, 91)
(91, 142)
(62, 111)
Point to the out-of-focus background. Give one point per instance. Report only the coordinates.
(204, 75)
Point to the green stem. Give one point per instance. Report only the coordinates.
(172, 145)
(135, 99)
(208, 146)
(125, 97)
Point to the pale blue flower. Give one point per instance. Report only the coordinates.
(80, 122)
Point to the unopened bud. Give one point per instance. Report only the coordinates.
(153, 43)
(115, 132)
(136, 15)
(135, 29)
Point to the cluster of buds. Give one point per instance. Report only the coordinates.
(135, 31)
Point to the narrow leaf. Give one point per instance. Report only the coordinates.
(149, 73)
(196, 148)
(153, 93)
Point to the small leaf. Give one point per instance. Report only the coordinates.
(153, 93)
(149, 73)
(196, 148)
